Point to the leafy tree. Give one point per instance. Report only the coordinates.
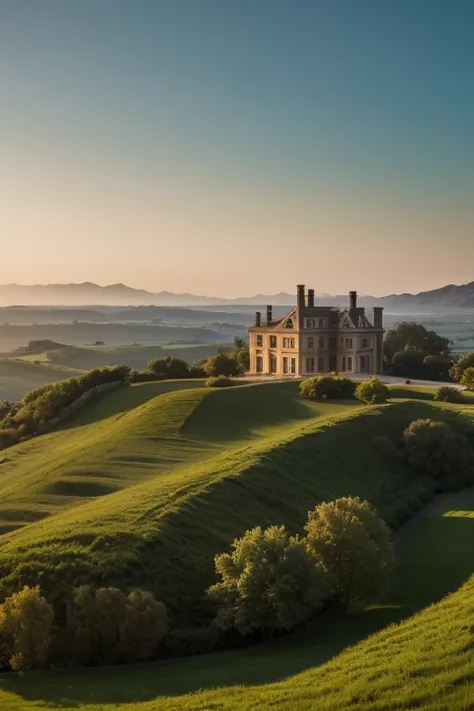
(407, 364)
(144, 626)
(170, 367)
(222, 364)
(106, 626)
(327, 387)
(445, 393)
(467, 378)
(436, 367)
(26, 622)
(372, 392)
(268, 582)
(352, 547)
(94, 619)
(413, 337)
(463, 363)
(433, 448)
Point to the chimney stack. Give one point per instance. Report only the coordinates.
(269, 314)
(352, 300)
(378, 316)
(311, 298)
(300, 297)
(258, 319)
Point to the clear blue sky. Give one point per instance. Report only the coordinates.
(237, 146)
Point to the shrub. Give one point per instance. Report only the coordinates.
(219, 381)
(105, 626)
(145, 376)
(372, 391)
(351, 545)
(433, 448)
(327, 387)
(447, 393)
(467, 378)
(268, 582)
(222, 364)
(463, 363)
(26, 622)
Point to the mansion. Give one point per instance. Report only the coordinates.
(317, 339)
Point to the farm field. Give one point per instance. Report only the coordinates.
(425, 662)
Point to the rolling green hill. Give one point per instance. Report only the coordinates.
(425, 662)
(148, 485)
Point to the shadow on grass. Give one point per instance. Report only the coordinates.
(435, 562)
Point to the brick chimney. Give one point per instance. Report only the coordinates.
(311, 298)
(258, 319)
(378, 316)
(300, 297)
(269, 314)
(352, 300)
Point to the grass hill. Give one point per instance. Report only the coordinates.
(149, 485)
(425, 662)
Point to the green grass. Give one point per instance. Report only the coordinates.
(425, 662)
(151, 492)
(18, 377)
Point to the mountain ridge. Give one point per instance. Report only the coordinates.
(89, 293)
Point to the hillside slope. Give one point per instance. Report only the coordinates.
(190, 471)
(426, 662)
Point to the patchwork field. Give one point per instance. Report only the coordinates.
(148, 483)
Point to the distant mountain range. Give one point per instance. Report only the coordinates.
(87, 294)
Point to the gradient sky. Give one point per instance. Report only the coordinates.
(228, 147)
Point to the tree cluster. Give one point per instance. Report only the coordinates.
(103, 626)
(41, 406)
(372, 392)
(272, 581)
(327, 387)
(412, 351)
(441, 452)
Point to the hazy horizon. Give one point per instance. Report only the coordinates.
(230, 149)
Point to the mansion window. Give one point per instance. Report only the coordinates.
(310, 323)
(288, 343)
(273, 341)
(365, 343)
(348, 342)
(321, 364)
(259, 341)
(289, 365)
(310, 365)
(321, 341)
(346, 364)
(311, 342)
(259, 364)
(273, 364)
(320, 323)
(332, 342)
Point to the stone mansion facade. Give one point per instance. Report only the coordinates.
(317, 339)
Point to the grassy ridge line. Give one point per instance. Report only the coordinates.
(168, 529)
(65, 467)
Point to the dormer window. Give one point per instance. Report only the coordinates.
(289, 323)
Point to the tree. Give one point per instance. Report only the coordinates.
(372, 392)
(144, 626)
(268, 582)
(352, 546)
(222, 364)
(26, 622)
(467, 378)
(93, 619)
(463, 363)
(434, 449)
(106, 626)
(170, 367)
(407, 364)
(409, 336)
